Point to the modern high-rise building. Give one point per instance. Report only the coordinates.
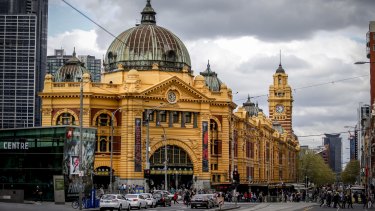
(93, 65)
(54, 62)
(23, 51)
(333, 142)
(60, 58)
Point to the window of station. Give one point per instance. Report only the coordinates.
(103, 145)
(66, 119)
(175, 116)
(163, 116)
(187, 117)
(150, 115)
(103, 120)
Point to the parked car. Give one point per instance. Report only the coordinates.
(114, 201)
(201, 200)
(151, 201)
(136, 201)
(162, 199)
(213, 198)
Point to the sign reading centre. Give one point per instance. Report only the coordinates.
(15, 145)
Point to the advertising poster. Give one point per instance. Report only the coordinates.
(205, 146)
(138, 146)
(74, 165)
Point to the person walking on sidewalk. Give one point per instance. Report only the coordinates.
(220, 199)
(175, 197)
(349, 200)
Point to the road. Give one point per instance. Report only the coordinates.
(31, 206)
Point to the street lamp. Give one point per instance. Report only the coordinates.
(148, 113)
(166, 160)
(80, 158)
(111, 158)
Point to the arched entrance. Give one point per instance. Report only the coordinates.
(179, 168)
(101, 177)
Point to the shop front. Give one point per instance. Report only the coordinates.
(31, 157)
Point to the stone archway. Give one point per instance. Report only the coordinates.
(180, 165)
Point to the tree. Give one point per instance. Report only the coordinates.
(351, 172)
(312, 166)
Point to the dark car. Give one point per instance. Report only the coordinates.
(162, 199)
(201, 200)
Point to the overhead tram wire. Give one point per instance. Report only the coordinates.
(310, 86)
(84, 15)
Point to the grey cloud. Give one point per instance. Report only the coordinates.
(276, 20)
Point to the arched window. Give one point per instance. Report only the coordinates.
(103, 145)
(65, 119)
(103, 120)
(170, 56)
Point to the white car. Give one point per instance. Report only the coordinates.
(136, 201)
(114, 201)
(151, 202)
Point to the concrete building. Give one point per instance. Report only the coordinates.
(159, 111)
(23, 48)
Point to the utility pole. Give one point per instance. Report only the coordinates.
(80, 142)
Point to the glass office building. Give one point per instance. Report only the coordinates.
(23, 55)
(32, 156)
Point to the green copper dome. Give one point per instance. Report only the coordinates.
(146, 44)
(73, 70)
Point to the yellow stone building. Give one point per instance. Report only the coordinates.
(155, 106)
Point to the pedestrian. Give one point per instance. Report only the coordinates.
(349, 200)
(175, 197)
(187, 198)
(220, 199)
(322, 198)
(101, 191)
(364, 200)
(38, 194)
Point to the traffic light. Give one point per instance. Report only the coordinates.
(306, 182)
(236, 176)
(146, 173)
(355, 145)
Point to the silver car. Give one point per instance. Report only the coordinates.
(113, 201)
(151, 202)
(136, 201)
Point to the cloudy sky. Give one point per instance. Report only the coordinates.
(319, 42)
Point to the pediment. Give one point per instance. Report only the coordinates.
(184, 91)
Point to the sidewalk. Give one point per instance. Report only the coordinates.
(53, 206)
(271, 206)
(267, 206)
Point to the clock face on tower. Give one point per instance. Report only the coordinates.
(279, 108)
(171, 97)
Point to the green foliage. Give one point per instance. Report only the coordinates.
(312, 165)
(351, 172)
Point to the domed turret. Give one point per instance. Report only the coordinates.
(72, 71)
(146, 44)
(251, 107)
(212, 81)
(280, 69)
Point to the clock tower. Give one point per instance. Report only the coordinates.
(280, 100)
